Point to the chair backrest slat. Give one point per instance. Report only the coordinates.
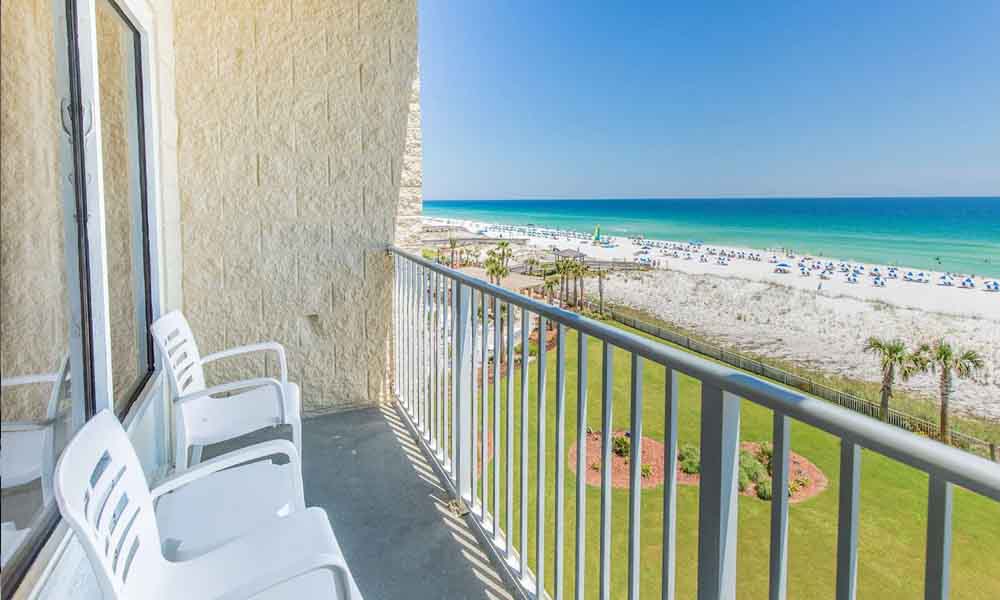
(179, 353)
(102, 493)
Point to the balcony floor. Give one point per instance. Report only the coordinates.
(390, 511)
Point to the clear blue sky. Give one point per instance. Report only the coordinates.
(675, 99)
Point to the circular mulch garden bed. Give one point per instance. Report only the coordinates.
(813, 480)
(652, 456)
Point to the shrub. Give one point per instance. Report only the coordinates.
(765, 454)
(690, 459)
(646, 470)
(595, 466)
(764, 490)
(751, 468)
(621, 445)
(744, 481)
(798, 483)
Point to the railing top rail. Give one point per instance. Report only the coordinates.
(961, 468)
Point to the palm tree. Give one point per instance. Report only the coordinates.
(948, 362)
(550, 286)
(492, 268)
(583, 272)
(452, 243)
(600, 288)
(531, 262)
(893, 356)
(504, 253)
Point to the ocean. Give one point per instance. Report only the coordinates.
(944, 234)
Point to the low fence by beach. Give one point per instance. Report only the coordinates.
(872, 409)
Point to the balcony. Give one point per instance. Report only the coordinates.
(609, 535)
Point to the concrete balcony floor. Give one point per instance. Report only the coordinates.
(389, 509)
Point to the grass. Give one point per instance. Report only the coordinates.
(917, 404)
(893, 502)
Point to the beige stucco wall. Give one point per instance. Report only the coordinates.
(33, 309)
(292, 131)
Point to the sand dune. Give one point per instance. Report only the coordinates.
(748, 306)
(822, 330)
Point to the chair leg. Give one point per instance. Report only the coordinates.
(297, 434)
(196, 454)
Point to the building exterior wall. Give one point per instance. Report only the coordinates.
(293, 120)
(34, 319)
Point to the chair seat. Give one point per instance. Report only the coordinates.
(267, 551)
(317, 584)
(209, 512)
(21, 459)
(226, 417)
(10, 540)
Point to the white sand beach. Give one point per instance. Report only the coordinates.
(802, 318)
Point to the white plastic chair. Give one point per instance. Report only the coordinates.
(204, 417)
(27, 449)
(102, 493)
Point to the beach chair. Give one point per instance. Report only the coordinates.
(102, 494)
(203, 415)
(29, 448)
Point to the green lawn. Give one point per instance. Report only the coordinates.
(893, 504)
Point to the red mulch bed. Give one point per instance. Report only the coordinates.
(652, 455)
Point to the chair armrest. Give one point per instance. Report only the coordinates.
(25, 426)
(260, 347)
(28, 380)
(332, 562)
(232, 459)
(233, 386)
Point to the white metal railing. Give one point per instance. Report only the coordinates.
(440, 315)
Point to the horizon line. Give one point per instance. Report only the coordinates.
(765, 197)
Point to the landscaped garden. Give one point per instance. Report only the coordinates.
(893, 498)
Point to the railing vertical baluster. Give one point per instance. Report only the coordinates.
(779, 507)
(635, 479)
(442, 365)
(671, 397)
(937, 569)
(581, 465)
(422, 348)
(474, 400)
(455, 380)
(557, 571)
(396, 260)
(484, 381)
(509, 529)
(540, 459)
(718, 492)
(409, 336)
(607, 391)
(464, 364)
(436, 357)
(525, 328)
(847, 522)
(496, 418)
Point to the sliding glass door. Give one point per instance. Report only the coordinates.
(76, 283)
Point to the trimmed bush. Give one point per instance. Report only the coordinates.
(744, 481)
(751, 468)
(690, 459)
(646, 470)
(765, 454)
(621, 445)
(764, 490)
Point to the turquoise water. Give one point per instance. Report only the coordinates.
(948, 234)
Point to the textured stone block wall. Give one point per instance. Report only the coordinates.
(33, 310)
(292, 132)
